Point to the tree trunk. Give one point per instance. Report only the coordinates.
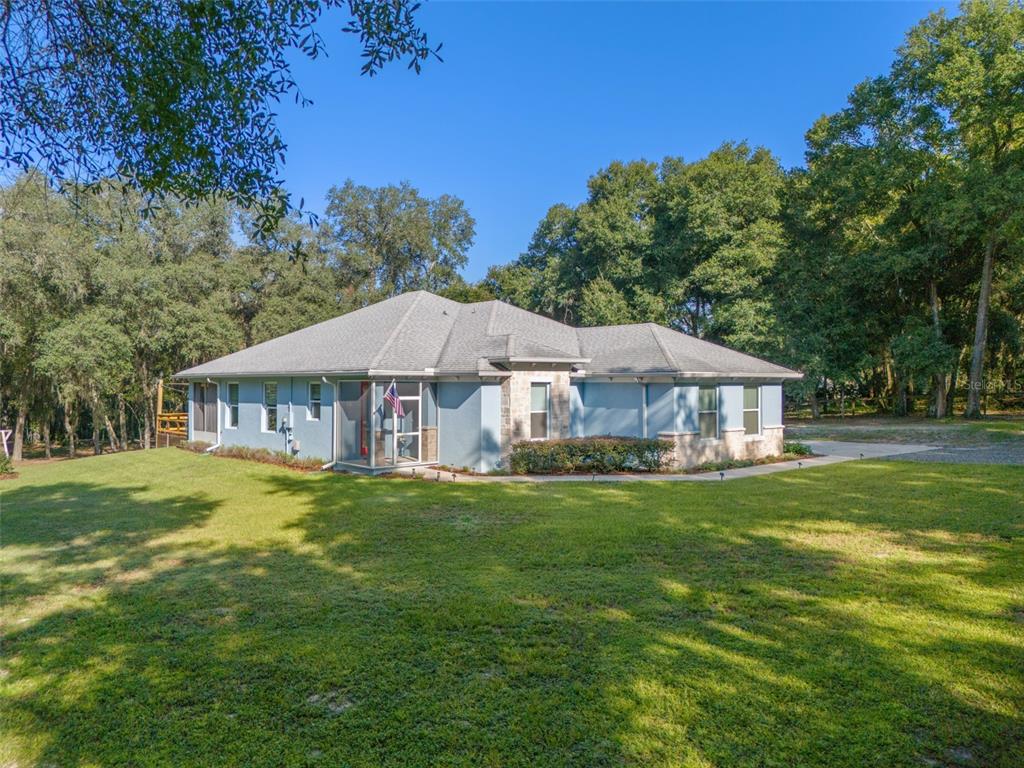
(69, 428)
(122, 423)
(147, 406)
(812, 400)
(115, 445)
(940, 377)
(19, 429)
(97, 442)
(975, 383)
(954, 380)
(47, 443)
(146, 426)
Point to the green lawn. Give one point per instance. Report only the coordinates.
(169, 609)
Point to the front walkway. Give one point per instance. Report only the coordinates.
(831, 452)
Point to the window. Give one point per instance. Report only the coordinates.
(313, 412)
(707, 412)
(752, 410)
(232, 406)
(539, 392)
(270, 406)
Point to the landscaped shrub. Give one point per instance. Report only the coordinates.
(590, 454)
(796, 449)
(262, 455)
(6, 465)
(722, 466)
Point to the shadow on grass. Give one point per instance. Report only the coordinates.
(782, 622)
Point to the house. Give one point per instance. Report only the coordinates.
(473, 379)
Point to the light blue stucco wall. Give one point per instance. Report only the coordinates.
(771, 405)
(576, 428)
(470, 414)
(490, 427)
(612, 409)
(687, 398)
(314, 436)
(459, 429)
(660, 409)
(730, 407)
(469, 432)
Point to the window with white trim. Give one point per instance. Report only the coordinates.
(270, 406)
(752, 410)
(707, 412)
(232, 412)
(540, 392)
(313, 411)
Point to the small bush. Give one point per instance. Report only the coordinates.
(589, 454)
(796, 449)
(6, 465)
(262, 455)
(196, 446)
(721, 466)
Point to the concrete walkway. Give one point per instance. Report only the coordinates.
(831, 452)
(427, 473)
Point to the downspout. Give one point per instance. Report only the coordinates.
(334, 425)
(290, 432)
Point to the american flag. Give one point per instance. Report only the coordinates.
(391, 398)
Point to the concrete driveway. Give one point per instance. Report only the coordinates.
(1008, 452)
(864, 450)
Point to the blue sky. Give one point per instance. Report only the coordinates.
(533, 98)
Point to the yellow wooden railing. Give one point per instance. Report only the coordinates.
(172, 423)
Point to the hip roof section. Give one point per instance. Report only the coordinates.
(420, 332)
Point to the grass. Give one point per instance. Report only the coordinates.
(164, 608)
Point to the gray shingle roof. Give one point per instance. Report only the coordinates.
(424, 333)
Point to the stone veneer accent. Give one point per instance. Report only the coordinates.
(691, 450)
(515, 406)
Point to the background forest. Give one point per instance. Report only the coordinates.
(890, 268)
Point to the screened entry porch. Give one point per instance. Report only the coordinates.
(373, 435)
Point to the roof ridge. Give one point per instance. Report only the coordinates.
(661, 345)
(490, 320)
(398, 326)
(451, 332)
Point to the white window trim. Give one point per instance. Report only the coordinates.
(547, 401)
(230, 423)
(309, 400)
(760, 427)
(263, 408)
(718, 414)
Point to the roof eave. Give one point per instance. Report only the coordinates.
(787, 375)
(527, 359)
(371, 373)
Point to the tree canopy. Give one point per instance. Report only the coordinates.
(99, 303)
(175, 98)
(890, 266)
